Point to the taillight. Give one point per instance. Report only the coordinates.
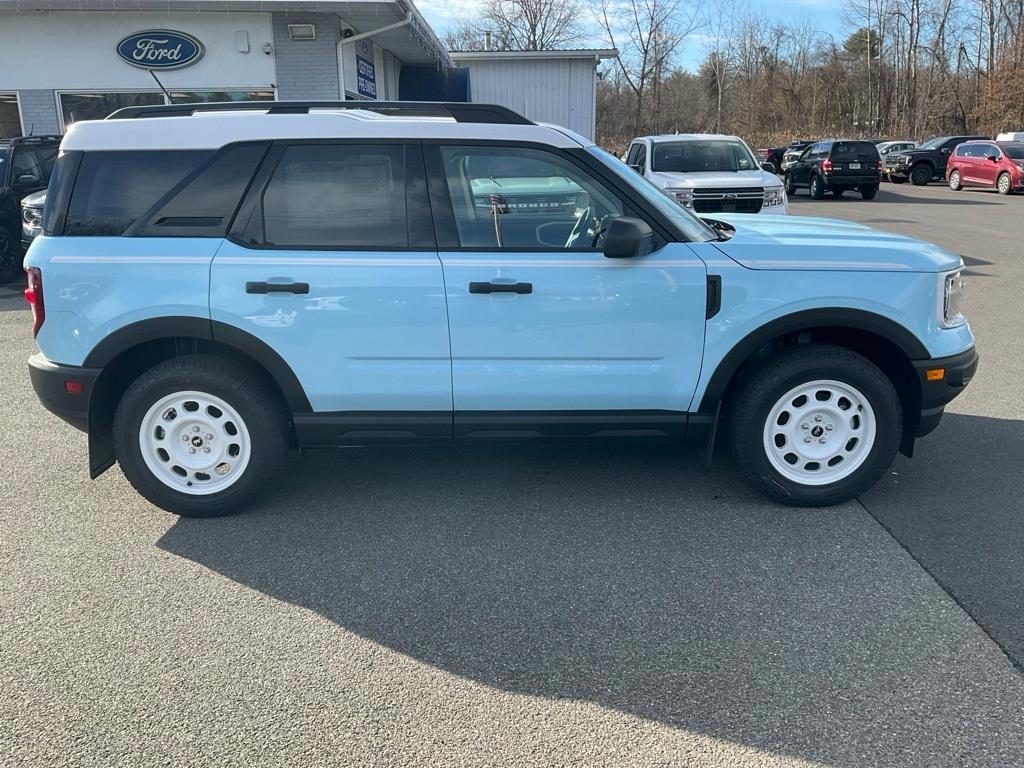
(826, 165)
(878, 166)
(34, 296)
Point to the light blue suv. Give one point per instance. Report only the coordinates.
(217, 284)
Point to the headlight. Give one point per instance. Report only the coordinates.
(1020, 165)
(682, 196)
(32, 216)
(774, 196)
(952, 310)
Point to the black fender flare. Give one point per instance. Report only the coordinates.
(252, 347)
(806, 320)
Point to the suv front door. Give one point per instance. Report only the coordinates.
(548, 335)
(332, 263)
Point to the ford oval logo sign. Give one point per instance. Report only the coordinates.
(160, 49)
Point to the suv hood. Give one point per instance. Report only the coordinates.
(806, 243)
(714, 179)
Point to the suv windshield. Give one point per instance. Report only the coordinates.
(701, 156)
(1013, 151)
(935, 143)
(854, 150)
(692, 227)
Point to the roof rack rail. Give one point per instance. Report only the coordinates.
(462, 112)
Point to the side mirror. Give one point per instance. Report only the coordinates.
(993, 158)
(28, 180)
(628, 237)
(770, 167)
(946, 150)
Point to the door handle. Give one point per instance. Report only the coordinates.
(277, 287)
(501, 287)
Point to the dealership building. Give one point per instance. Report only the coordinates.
(68, 60)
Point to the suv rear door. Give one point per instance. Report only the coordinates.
(332, 263)
(546, 333)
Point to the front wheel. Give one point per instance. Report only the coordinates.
(790, 185)
(921, 175)
(815, 425)
(10, 256)
(200, 435)
(955, 182)
(1004, 184)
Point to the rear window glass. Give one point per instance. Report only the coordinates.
(854, 150)
(114, 188)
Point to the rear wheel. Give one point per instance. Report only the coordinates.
(199, 435)
(10, 256)
(816, 425)
(790, 184)
(817, 188)
(868, 193)
(955, 182)
(1004, 183)
(921, 174)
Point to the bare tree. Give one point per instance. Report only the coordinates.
(520, 25)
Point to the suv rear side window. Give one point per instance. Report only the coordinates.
(844, 151)
(337, 195)
(35, 162)
(114, 188)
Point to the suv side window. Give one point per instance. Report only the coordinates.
(113, 189)
(634, 151)
(516, 197)
(641, 158)
(34, 162)
(337, 195)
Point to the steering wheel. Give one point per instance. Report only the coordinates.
(579, 226)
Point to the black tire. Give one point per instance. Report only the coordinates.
(817, 188)
(790, 184)
(259, 406)
(956, 183)
(763, 387)
(10, 256)
(897, 180)
(1004, 184)
(837, 193)
(921, 174)
(868, 193)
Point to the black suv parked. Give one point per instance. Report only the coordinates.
(926, 162)
(836, 166)
(25, 167)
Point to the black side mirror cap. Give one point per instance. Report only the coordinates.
(628, 237)
(770, 167)
(28, 180)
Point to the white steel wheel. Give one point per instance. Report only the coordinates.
(819, 432)
(1003, 183)
(194, 442)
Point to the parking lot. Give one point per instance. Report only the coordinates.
(535, 606)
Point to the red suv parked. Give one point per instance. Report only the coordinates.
(987, 164)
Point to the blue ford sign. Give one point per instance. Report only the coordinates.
(160, 49)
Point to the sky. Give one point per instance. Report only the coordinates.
(826, 15)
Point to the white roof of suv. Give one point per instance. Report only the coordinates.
(215, 128)
(690, 137)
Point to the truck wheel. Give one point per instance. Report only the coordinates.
(868, 193)
(955, 182)
(815, 425)
(817, 188)
(1004, 184)
(10, 256)
(200, 435)
(921, 174)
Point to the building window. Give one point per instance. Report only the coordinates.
(10, 117)
(97, 105)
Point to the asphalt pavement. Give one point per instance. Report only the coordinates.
(533, 606)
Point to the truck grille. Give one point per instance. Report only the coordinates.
(728, 200)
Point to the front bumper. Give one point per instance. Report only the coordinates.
(938, 390)
(57, 388)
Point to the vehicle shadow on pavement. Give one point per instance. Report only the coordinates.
(634, 578)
